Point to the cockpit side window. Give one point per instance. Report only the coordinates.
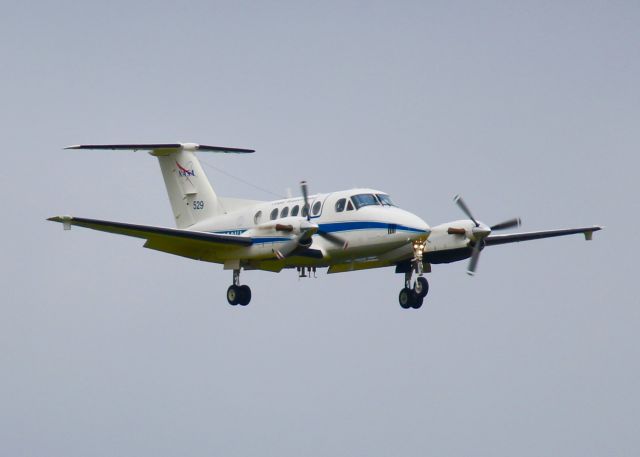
(361, 200)
(349, 206)
(340, 205)
(385, 200)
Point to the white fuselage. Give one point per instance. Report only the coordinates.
(374, 232)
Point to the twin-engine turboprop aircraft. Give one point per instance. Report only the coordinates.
(343, 231)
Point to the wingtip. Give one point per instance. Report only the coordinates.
(59, 218)
(588, 234)
(66, 221)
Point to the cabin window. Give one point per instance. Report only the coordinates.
(361, 200)
(385, 200)
(294, 211)
(340, 205)
(274, 214)
(257, 217)
(316, 208)
(349, 206)
(284, 212)
(305, 211)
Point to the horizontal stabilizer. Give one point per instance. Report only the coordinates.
(168, 147)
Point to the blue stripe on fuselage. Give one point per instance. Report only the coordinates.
(363, 225)
(329, 227)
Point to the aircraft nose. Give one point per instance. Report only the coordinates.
(415, 223)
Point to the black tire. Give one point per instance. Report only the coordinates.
(245, 295)
(421, 286)
(233, 295)
(406, 298)
(417, 301)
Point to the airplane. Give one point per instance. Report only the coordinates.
(343, 231)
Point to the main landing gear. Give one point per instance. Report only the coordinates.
(237, 294)
(412, 297)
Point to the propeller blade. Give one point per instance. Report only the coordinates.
(287, 249)
(334, 239)
(515, 222)
(305, 195)
(473, 263)
(460, 202)
(302, 241)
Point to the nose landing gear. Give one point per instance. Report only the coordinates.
(237, 294)
(412, 297)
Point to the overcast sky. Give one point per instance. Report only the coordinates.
(527, 109)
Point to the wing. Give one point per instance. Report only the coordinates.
(517, 237)
(186, 243)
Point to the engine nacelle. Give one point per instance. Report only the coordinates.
(283, 227)
(449, 236)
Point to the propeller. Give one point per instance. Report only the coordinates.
(302, 240)
(307, 230)
(478, 233)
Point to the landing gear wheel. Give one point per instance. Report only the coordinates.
(406, 298)
(417, 301)
(244, 293)
(421, 286)
(233, 295)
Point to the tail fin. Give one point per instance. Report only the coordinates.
(190, 193)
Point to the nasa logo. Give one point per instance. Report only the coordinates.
(182, 171)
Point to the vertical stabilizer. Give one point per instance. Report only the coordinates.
(190, 193)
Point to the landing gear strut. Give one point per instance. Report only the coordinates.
(237, 294)
(412, 297)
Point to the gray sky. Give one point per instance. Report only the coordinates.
(526, 109)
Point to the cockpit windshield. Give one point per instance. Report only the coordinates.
(361, 200)
(385, 200)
